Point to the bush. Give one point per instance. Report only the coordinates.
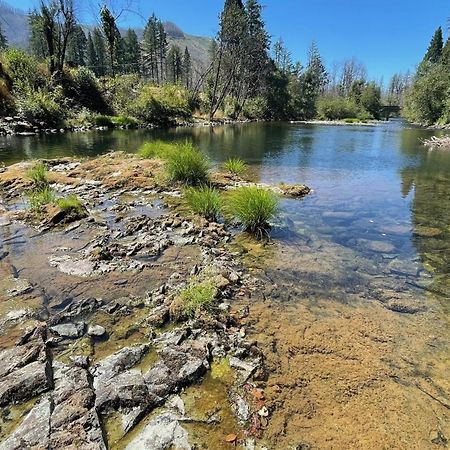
(157, 149)
(103, 121)
(196, 297)
(38, 174)
(254, 208)
(161, 104)
(82, 86)
(336, 108)
(256, 108)
(125, 121)
(235, 166)
(187, 165)
(40, 197)
(204, 201)
(40, 106)
(24, 70)
(6, 99)
(122, 92)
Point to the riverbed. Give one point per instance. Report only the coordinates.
(352, 312)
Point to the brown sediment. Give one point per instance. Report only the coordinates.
(345, 371)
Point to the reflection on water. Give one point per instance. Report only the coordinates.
(380, 197)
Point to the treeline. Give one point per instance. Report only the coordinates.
(72, 72)
(428, 99)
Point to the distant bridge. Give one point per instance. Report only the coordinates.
(389, 111)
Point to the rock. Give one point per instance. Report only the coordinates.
(295, 190)
(69, 330)
(423, 231)
(377, 246)
(161, 433)
(241, 408)
(79, 268)
(74, 420)
(20, 287)
(96, 331)
(34, 430)
(24, 383)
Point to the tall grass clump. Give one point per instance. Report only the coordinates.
(205, 201)
(38, 174)
(157, 149)
(254, 207)
(40, 197)
(235, 166)
(187, 165)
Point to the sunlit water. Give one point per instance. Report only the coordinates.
(381, 201)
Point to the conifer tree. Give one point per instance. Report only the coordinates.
(434, 51)
(100, 52)
(445, 59)
(187, 69)
(91, 55)
(112, 37)
(174, 65)
(3, 41)
(76, 47)
(132, 52)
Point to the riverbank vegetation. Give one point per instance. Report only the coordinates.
(79, 76)
(427, 101)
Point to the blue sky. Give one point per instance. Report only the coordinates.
(387, 35)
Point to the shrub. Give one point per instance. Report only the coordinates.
(187, 165)
(40, 106)
(103, 121)
(156, 149)
(40, 197)
(256, 108)
(125, 121)
(70, 203)
(38, 174)
(336, 108)
(161, 104)
(254, 208)
(122, 91)
(235, 166)
(196, 297)
(6, 99)
(204, 201)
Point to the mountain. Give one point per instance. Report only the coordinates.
(14, 23)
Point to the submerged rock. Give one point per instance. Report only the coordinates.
(69, 330)
(162, 433)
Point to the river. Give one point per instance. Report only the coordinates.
(354, 315)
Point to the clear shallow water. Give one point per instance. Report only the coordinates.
(381, 201)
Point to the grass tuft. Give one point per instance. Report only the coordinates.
(39, 175)
(205, 201)
(70, 203)
(156, 149)
(235, 166)
(254, 208)
(40, 197)
(187, 165)
(197, 297)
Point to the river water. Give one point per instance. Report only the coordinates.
(354, 312)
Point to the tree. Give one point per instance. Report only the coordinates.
(371, 99)
(99, 51)
(91, 54)
(174, 65)
(132, 52)
(112, 36)
(445, 58)
(434, 52)
(52, 26)
(282, 57)
(187, 69)
(76, 47)
(154, 49)
(3, 41)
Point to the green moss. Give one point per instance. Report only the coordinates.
(197, 297)
(70, 203)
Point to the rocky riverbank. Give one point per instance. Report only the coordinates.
(99, 348)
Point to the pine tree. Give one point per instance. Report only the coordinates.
(112, 36)
(76, 48)
(187, 69)
(149, 49)
(174, 65)
(99, 51)
(434, 51)
(445, 59)
(317, 68)
(3, 41)
(162, 48)
(91, 54)
(132, 51)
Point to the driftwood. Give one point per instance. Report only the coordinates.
(437, 142)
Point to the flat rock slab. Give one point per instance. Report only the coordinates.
(162, 433)
(69, 330)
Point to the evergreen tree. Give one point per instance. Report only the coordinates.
(132, 51)
(187, 69)
(91, 54)
(112, 37)
(150, 49)
(445, 59)
(434, 51)
(282, 57)
(161, 49)
(3, 41)
(174, 65)
(76, 48)
(99, 52)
